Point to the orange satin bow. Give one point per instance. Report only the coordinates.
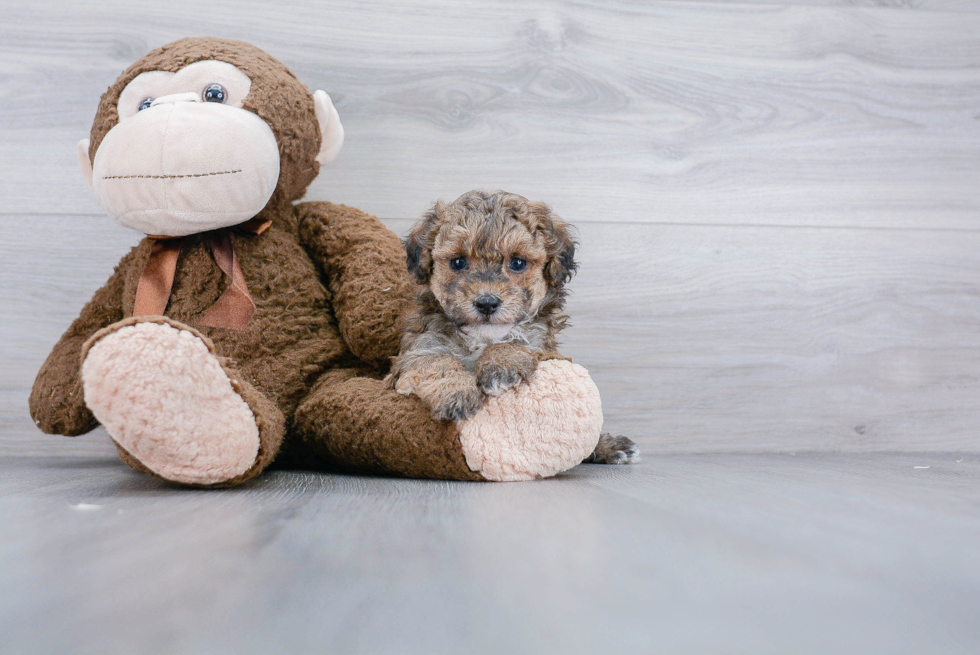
(233, 310)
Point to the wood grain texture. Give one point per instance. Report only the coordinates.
(679, 554)
(700, 338)
(675, 112)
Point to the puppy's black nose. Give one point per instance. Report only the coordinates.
(487, 305)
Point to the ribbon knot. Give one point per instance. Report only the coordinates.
(233, 310)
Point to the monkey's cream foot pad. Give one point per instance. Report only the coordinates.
(538, 429)
(162, 396)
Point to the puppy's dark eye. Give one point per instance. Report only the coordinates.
(517, 264)
(214, 93)
(457, 263)
(145, 104)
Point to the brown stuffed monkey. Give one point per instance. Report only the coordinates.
(245, 329)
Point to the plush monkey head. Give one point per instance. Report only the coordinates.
(206, 133)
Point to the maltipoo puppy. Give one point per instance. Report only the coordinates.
(493, 266)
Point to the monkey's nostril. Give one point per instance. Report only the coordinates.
(487, 304)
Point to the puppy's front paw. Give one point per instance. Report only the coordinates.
(495, 379)
(502, 368)
(614, 450)
(458, 405)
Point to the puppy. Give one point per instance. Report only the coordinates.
(493, 266)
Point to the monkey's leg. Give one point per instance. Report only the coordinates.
(538, 429)
(360, 425)
(174, 408)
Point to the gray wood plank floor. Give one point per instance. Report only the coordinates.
(778, 300)
(816, 553)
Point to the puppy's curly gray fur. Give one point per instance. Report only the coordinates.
(458, 405)
(494, 378)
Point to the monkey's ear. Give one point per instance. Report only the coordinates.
(331, 131)
(84, 162)
(419, 242)
(560, 244)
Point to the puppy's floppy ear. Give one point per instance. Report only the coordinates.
(560, 245)
(419, 242)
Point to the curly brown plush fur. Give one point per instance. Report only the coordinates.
(329, 286)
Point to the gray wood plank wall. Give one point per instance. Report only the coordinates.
(777, 202)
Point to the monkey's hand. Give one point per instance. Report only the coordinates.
(502, 366)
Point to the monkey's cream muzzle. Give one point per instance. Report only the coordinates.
(183, 166)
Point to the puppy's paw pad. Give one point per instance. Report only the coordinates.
(458, 405)
(615, 450)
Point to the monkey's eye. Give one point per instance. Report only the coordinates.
(457, 263)
(215, 93)
(145, 104)
(517, 264)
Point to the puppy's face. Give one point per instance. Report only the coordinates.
(491, 259)
(488, 271)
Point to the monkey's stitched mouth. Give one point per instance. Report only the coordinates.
(168, 177)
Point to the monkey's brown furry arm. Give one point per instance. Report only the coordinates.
(365, 267)
(57, 404)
